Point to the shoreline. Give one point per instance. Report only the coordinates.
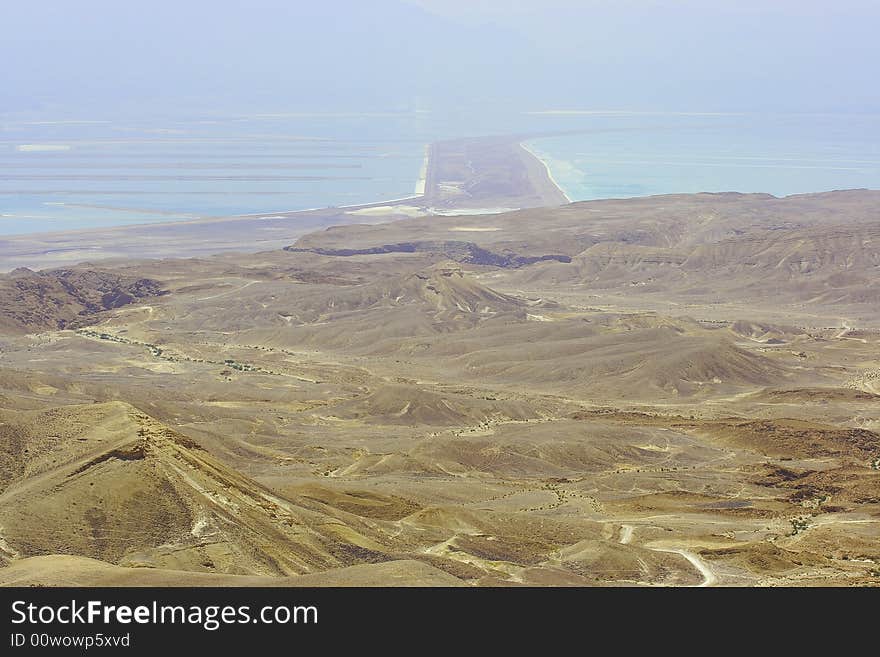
(422, 182)
(419, 193)
(493, 160)
(547, 170)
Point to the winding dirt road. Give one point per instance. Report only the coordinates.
(709, 577)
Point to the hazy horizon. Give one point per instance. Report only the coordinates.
(96, 58)
(147, 112)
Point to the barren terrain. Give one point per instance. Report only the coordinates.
(678, 390)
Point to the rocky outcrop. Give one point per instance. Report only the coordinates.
(464, 252)
(66, 298)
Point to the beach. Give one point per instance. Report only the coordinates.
(548, 171)
(423, 172)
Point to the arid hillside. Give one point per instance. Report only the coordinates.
(676, 390)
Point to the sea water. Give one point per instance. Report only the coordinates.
(642, 155)
(68, 175)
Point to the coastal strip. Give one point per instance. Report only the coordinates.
(418, 197)
(457, 177)
(423, 172)
(547, 170)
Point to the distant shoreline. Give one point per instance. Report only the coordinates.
(547, 169)
(422, 182)
(421, 197)
(447, 190)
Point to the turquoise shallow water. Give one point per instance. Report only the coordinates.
(67, 175)
(660, 155)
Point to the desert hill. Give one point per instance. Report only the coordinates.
(815, 248)
(62, 570)
(677, 390)
(131, 491)
(53, 299)
(408, 405)
(443, 291)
